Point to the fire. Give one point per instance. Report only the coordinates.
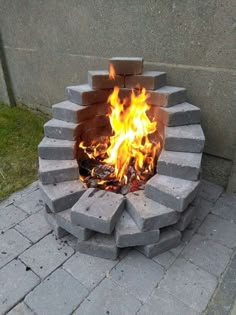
(128, 156)
(112, 73)
(131, 126)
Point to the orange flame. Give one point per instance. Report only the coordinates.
(128, 156)
(112, 73)
(131, 128)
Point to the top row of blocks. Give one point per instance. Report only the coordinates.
(128, 73)
(127, 66)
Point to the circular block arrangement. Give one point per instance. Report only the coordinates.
(151, 220)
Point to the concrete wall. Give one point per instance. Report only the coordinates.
(50, 44)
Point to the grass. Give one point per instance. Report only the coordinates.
(21, 130)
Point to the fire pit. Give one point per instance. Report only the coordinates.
(120, 162)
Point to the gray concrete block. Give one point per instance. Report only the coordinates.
(57, 171)
(21, 309)
(64, 130)
(60, 293)
(99, 245)
(150, 80)
(99, 79)
(34, 227)
(30, 203)
(46, 255)
(207, 254)
(63, 219)
(127, 65)
(62, 195)
(16, 282)
(98, 210)
(179, 115)
(128, 234)
(57, 230)
(169, 238)
(172, 192)
(88, 270)
(149, 214)
(74, 113)
(10, 216)
(85, 95)
(116, 301)
(184, 138)
(55, 149)
(167, 96)
(186, 218)
(190, 284)
(179, 164)
(12, 245)
(166, 304)
(219, 230)
(137, 275)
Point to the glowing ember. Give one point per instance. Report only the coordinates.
(126, 158)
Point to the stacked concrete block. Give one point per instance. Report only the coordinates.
(57, 171)
(186, 218)
(55, 149)
(171, 192)
(63, 130)
(100, 245)
(58, 231)
(189, 138)
(179, 115)
(149, 214)
(169, 238)
(128, 234)
(100, 80)
(61, 196)
(167, 96)
(151, 220)
(98, 210)
(150, 80)
(63, 220)
(127, 66)
(70, 112)
(183, 165)
(85, 95)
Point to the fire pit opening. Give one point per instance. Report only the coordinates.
(123, 157)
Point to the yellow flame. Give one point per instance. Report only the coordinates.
(131, 127)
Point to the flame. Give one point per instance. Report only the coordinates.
(131, 127)
(112, 73)
(128, 156)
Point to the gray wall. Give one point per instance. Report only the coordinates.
(50, 44)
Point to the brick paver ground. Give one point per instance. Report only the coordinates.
(42, 275)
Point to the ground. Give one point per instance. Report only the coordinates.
(21, 130)
(42, 275)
